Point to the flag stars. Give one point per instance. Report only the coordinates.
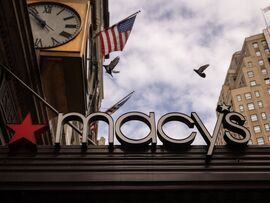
(115, 37)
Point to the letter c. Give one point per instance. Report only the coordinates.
(148, 120)
(165, 139)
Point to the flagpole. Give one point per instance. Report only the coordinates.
(39, 97)
(267, 26)
(117, 23)
(128, 17)
(122, 99)
(264, 18)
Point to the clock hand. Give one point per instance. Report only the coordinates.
(46, 25)
(42, 22)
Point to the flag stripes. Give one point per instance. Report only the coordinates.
(120, 103)
(115, 37)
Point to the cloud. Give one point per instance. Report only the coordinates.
(170, 39)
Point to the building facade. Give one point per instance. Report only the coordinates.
(102, 173)
(71, 81)
(247, 88)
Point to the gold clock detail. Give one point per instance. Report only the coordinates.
(53, 24)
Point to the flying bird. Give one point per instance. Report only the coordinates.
(109, 68)
(200, 70)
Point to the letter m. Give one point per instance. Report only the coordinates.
(64, 119)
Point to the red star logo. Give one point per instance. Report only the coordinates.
(25, 130)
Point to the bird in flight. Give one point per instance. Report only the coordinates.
(109, 68)
(200, 70)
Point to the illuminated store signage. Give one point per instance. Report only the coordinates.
(232, 123)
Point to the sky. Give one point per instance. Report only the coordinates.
(168, 40)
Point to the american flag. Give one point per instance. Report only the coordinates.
(115, 107)
(93, 130)
(115, 37)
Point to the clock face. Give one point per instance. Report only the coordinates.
(53, 24)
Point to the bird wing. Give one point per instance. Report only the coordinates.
(107, 68)
(202, 68)
(115, 62)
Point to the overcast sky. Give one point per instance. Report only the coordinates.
(168, 40)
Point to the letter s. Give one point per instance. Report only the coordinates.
(234, 122)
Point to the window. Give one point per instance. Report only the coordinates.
(257, 129)
(250, 74)
(263, 115)
(260, 104)
(264, 42)
(241, 108)
(260, 62)
(257, 94)
(258, 53)
(250, 106)
(239, 98)
(268, 90)
(267, 81)
(260, 140)
(249, 142)
(248, 95)
(255, 45)
(249, 64)
(253, 83)
(267, 127)
(253, 117)
(266, 51)
(264, 71)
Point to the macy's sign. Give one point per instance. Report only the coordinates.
(231, 121)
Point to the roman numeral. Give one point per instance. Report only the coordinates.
(47, 8)
(38, 43)
(70, 26)
(54, 41)
(70, 17)
(33, 10)
(60, 11)
(65, 34)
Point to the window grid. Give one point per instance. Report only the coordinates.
(260, 140)
(267, 127)
(257, 94)
(250, 74)
(253, 117)
(248, 95)
(257, 129)
(263, 115)
(264, 71)
(260, 104)
(253, 83)
(260, 62)
(239, 98)
(241, 108)
(255, 45)
(250, 106)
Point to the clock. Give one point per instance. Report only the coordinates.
(53, 24)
